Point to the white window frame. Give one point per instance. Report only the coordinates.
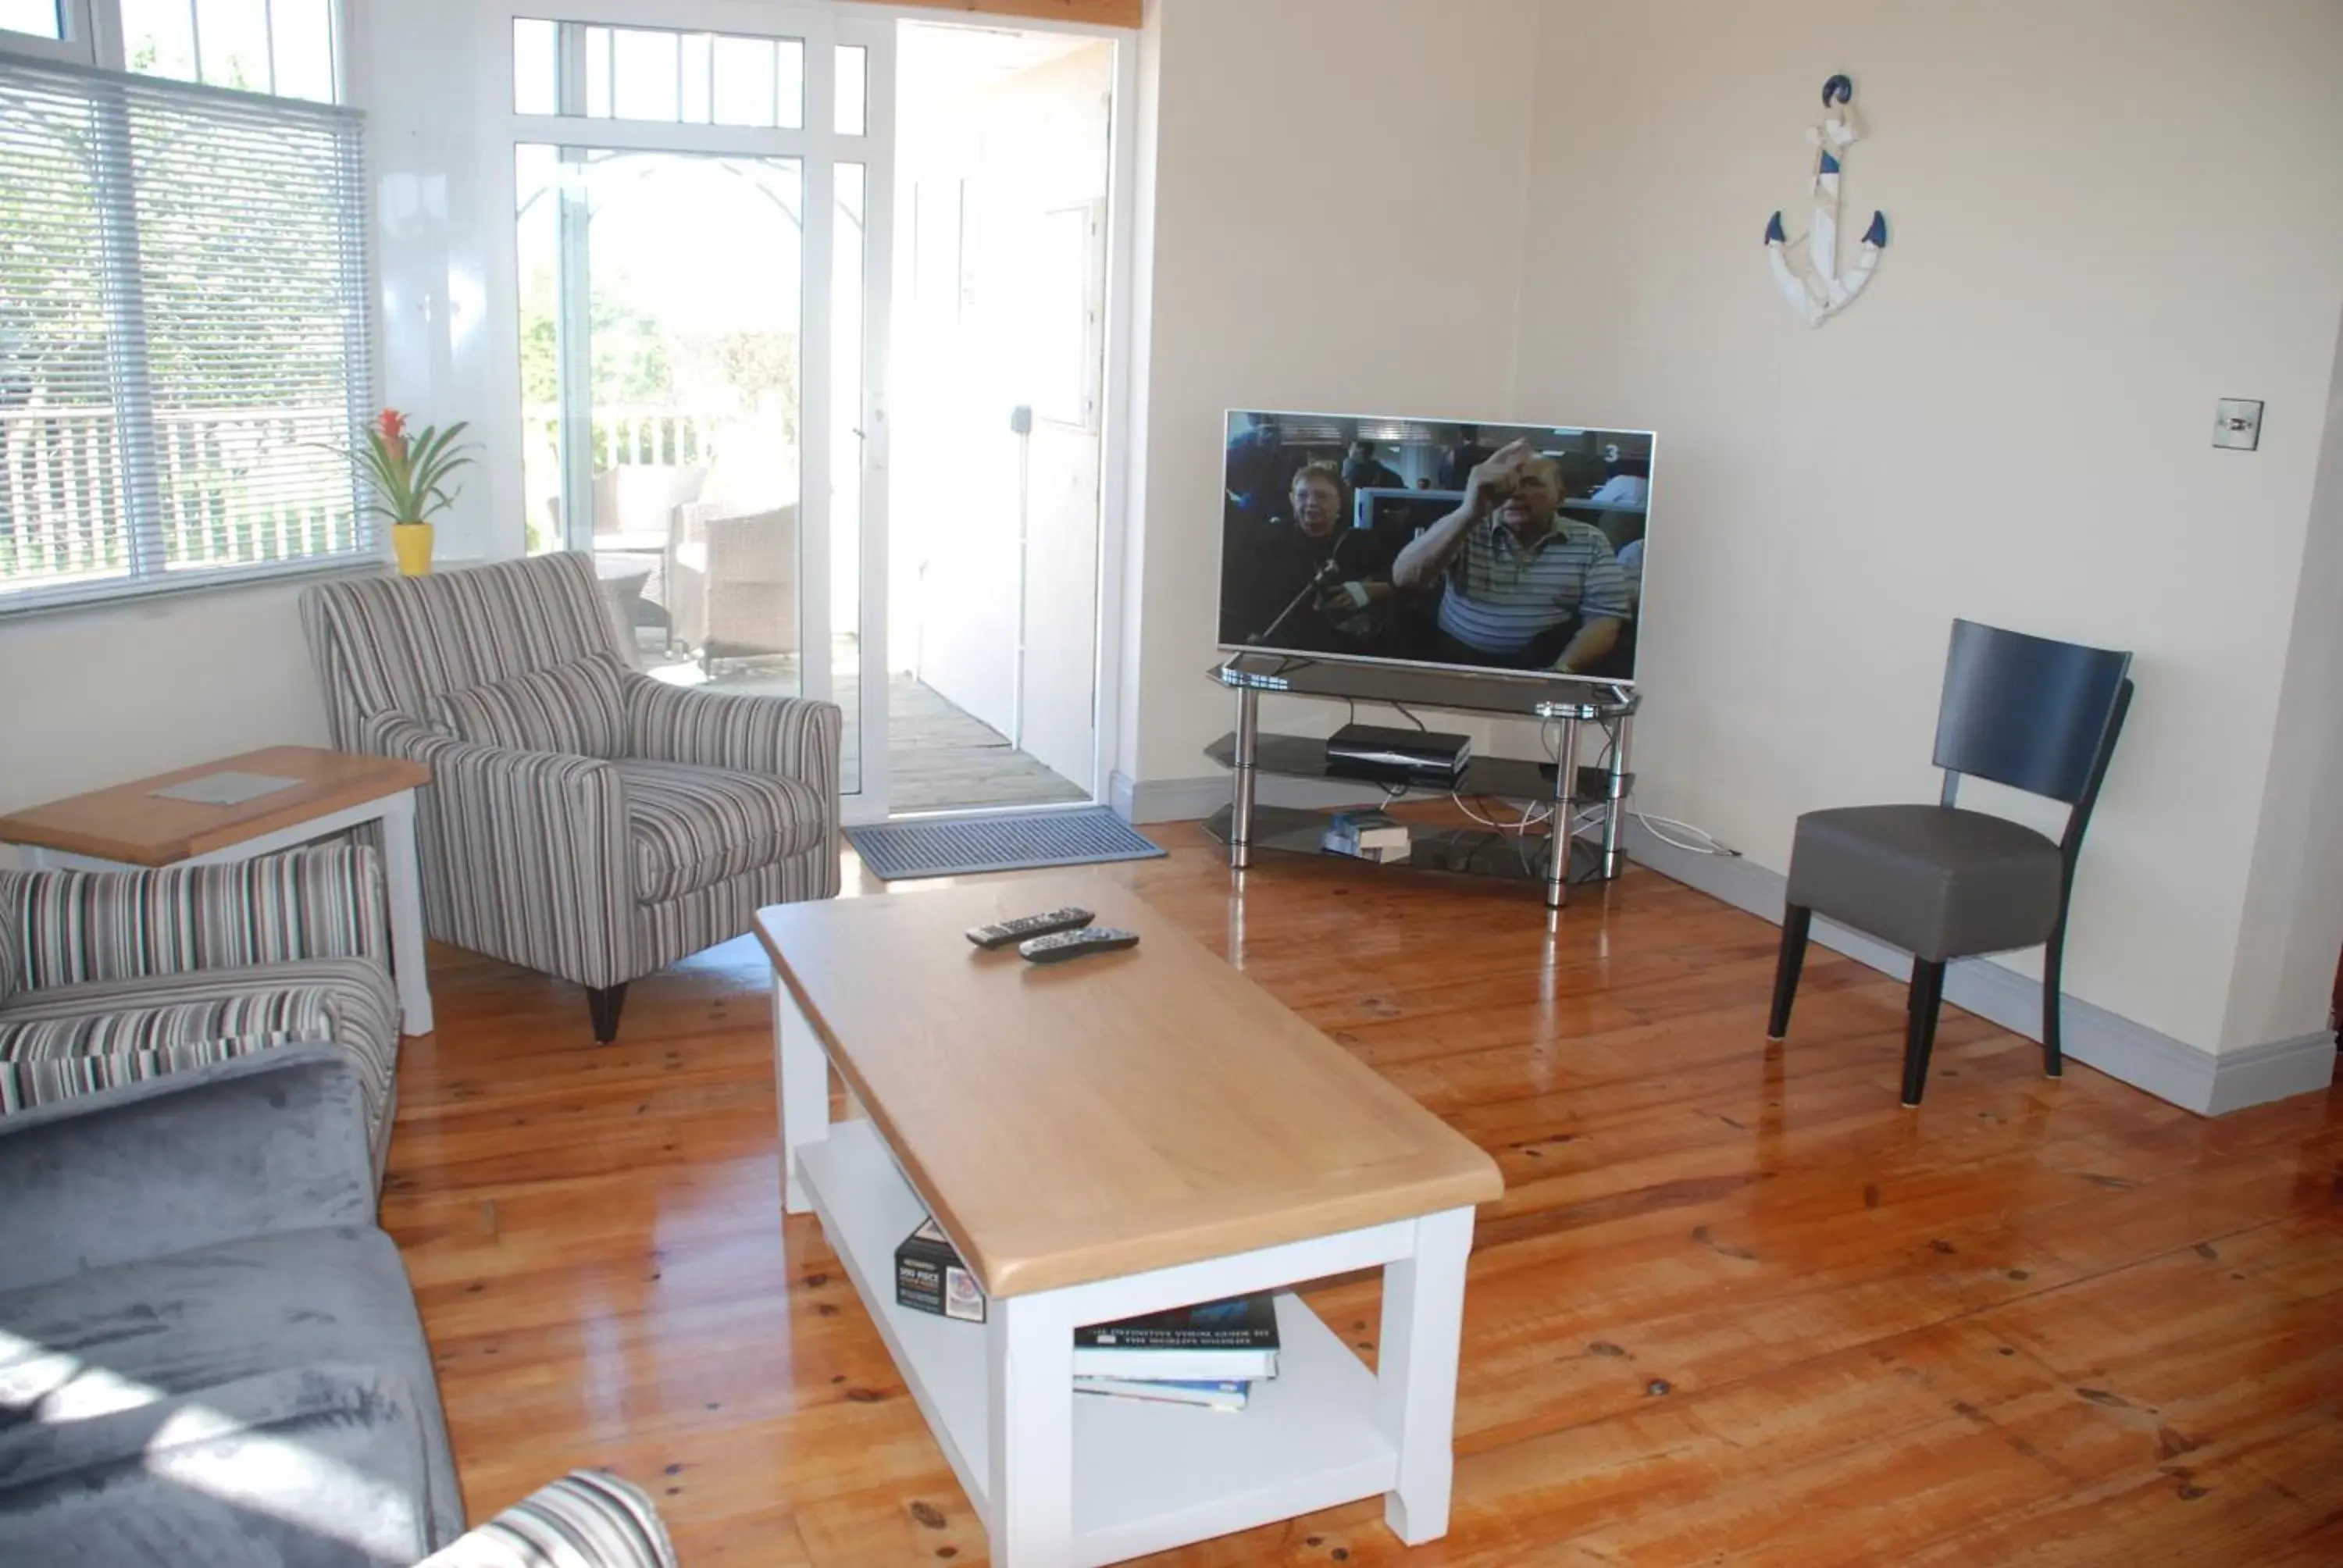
(94, 36)
(79, 44)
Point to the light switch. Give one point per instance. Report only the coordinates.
(2237, 423)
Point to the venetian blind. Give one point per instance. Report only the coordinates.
(184, 334)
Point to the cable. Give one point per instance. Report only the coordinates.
(1709, 843)
(1411, 718)
(1532, 813)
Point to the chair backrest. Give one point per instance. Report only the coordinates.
(753, 546)
(390, 644)
(637, 499)
(2028, 712)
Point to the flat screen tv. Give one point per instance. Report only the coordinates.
(1488, 548)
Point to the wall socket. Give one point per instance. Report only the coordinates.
(2237, 423)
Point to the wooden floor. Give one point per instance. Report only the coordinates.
(939, 756)
(1736, 1306)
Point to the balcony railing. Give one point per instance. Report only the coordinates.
(626, 438)
(64, 505)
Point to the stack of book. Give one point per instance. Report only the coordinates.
(1367, 836)
(1208, 1354)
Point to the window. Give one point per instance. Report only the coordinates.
(184, 334)
(280, 46)
(35, 18)
(660, 77)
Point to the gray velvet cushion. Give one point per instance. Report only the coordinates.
(262, 1400)
(258, 1145)
(1938, 882)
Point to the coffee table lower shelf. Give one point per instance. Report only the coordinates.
(1146, 1477)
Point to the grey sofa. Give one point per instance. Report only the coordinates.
(582, 818)
(209, 1353)
(109, 978)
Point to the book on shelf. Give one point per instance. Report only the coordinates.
(1366, 836)
(1213, 1344)
(1211, 1341)
(1229, 1396)
(1371, 829)
(1334, 846)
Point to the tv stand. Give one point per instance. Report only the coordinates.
(1556, 860)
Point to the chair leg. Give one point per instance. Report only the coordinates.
(604, 1004)
(1795, 922)
(1927, 994)
(2054, 1060)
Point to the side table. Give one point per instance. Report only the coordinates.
(130, 826)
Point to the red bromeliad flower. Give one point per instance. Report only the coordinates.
(409, 471)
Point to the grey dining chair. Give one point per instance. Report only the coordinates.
(1942, 882)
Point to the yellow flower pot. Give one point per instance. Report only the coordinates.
(412, 542)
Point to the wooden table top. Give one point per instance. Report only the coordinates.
(132, 824)
(1113, 1114)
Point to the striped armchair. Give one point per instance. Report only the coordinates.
(582, 819)
(587, 1519)
(109, 978)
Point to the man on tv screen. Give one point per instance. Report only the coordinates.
(1520, 585)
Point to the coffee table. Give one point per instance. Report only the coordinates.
(129, 825)
(1116, 1135)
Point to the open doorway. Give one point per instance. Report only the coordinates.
(1002, 176)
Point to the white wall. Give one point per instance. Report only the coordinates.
(435, 104)
(1337, 225)
(2287, 953)
(2104, 216)
(92, 698)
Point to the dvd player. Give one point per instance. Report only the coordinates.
(1410, 756)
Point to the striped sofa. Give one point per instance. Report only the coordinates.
(109, 978)
(582, 818)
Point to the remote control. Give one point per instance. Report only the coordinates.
(1058, 948)
(1024, 926)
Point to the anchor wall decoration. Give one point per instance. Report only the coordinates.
(1808, 273)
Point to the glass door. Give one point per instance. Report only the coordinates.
(700, 286)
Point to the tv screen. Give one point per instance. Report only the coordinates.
(1488, 548)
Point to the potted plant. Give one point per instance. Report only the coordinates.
(408, 471)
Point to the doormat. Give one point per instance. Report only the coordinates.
(1009, 841)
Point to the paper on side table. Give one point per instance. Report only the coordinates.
(226, 788)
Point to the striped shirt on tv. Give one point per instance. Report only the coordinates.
(1501, 598)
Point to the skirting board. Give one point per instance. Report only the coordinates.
(1193, 799)
(2169, 1068)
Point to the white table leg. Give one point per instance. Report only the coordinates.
(1415, 1382)
(1029, 1363)
(802, 1075)
(403, 878)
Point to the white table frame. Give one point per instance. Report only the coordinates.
(1010, 1429)
(402, 881)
